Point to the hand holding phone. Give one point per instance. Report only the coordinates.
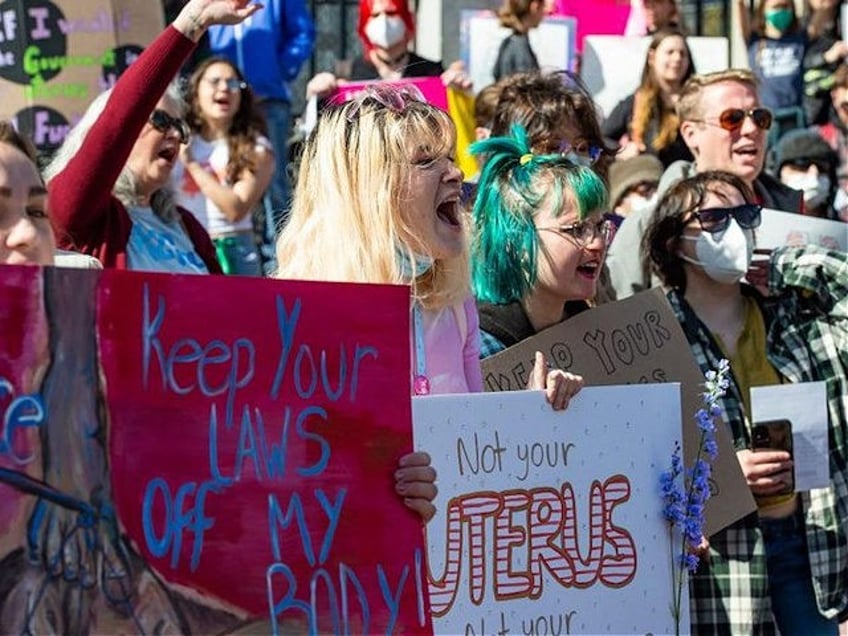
(772, 435)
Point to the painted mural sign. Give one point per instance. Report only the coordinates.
(175, 461)
(55, 57)
(550, 520)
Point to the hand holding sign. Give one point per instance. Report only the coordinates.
(559, 386)
(415, 482)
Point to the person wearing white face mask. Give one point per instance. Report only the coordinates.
(805, 162)
(633, 185)
(725, 127)
(386, 28)
(788, 553)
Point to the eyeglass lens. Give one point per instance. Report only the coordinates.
(734, 118)
(715, 220)
(163, 122)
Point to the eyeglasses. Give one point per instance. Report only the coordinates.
(732, 119)
(585, 232)
(163, 122)
(232, 84)
(716, 220)
(582, 153)
(394, 98)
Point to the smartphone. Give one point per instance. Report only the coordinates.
(774, 435)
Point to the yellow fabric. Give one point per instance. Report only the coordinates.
(751, 367)
(461, 109)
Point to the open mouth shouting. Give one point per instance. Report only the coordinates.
(590, 269)
(449, 213)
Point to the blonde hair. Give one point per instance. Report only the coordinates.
(348, 217)
(689, 103)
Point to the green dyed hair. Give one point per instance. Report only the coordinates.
(514, 185)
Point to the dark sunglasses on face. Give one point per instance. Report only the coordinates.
(715, 220)
(732, 119)
(163, 122)
(804, 165)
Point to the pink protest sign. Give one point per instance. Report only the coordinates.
(431, 87)
(218, 456)
(23, 358)
(595, 17)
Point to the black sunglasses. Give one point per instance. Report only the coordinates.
(732, 119)
(715, 220)
(163, 122)
(804, 164)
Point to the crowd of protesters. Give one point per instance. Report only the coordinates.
(569, 210)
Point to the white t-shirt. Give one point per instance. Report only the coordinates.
(157, 246)
(213, 157)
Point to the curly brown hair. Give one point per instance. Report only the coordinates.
(545, 103)
(247, 126)
(661, 242)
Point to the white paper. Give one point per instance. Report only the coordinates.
(508, 446)
(804, 404)
(797, 230)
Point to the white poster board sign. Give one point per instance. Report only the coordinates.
(481, 33)
(802, 406)
(797, 230)
(550, 522)
(612, 64)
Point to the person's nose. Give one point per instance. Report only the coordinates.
(22, 234)
(749, 128)
(452, 172)
(813, 170)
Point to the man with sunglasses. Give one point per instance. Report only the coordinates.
(726, 129)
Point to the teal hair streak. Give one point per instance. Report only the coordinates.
(506, 242)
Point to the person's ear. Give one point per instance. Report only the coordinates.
(689, 132)
(481, 133)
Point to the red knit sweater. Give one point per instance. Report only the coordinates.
(85, 215)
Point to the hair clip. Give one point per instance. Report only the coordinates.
(526, 158)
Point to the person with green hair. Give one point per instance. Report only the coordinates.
(539, 239)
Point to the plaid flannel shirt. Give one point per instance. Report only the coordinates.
(489, 345)
(729, 592)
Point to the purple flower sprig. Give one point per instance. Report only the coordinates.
(685, 492)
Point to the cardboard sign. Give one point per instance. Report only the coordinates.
(612, 65)
(796, 230)
(481, 33)
(228, 442)
(549, 520)
(637, 340)
(432, 88)
(55, 57)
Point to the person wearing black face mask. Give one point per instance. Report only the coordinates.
(805, 162)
